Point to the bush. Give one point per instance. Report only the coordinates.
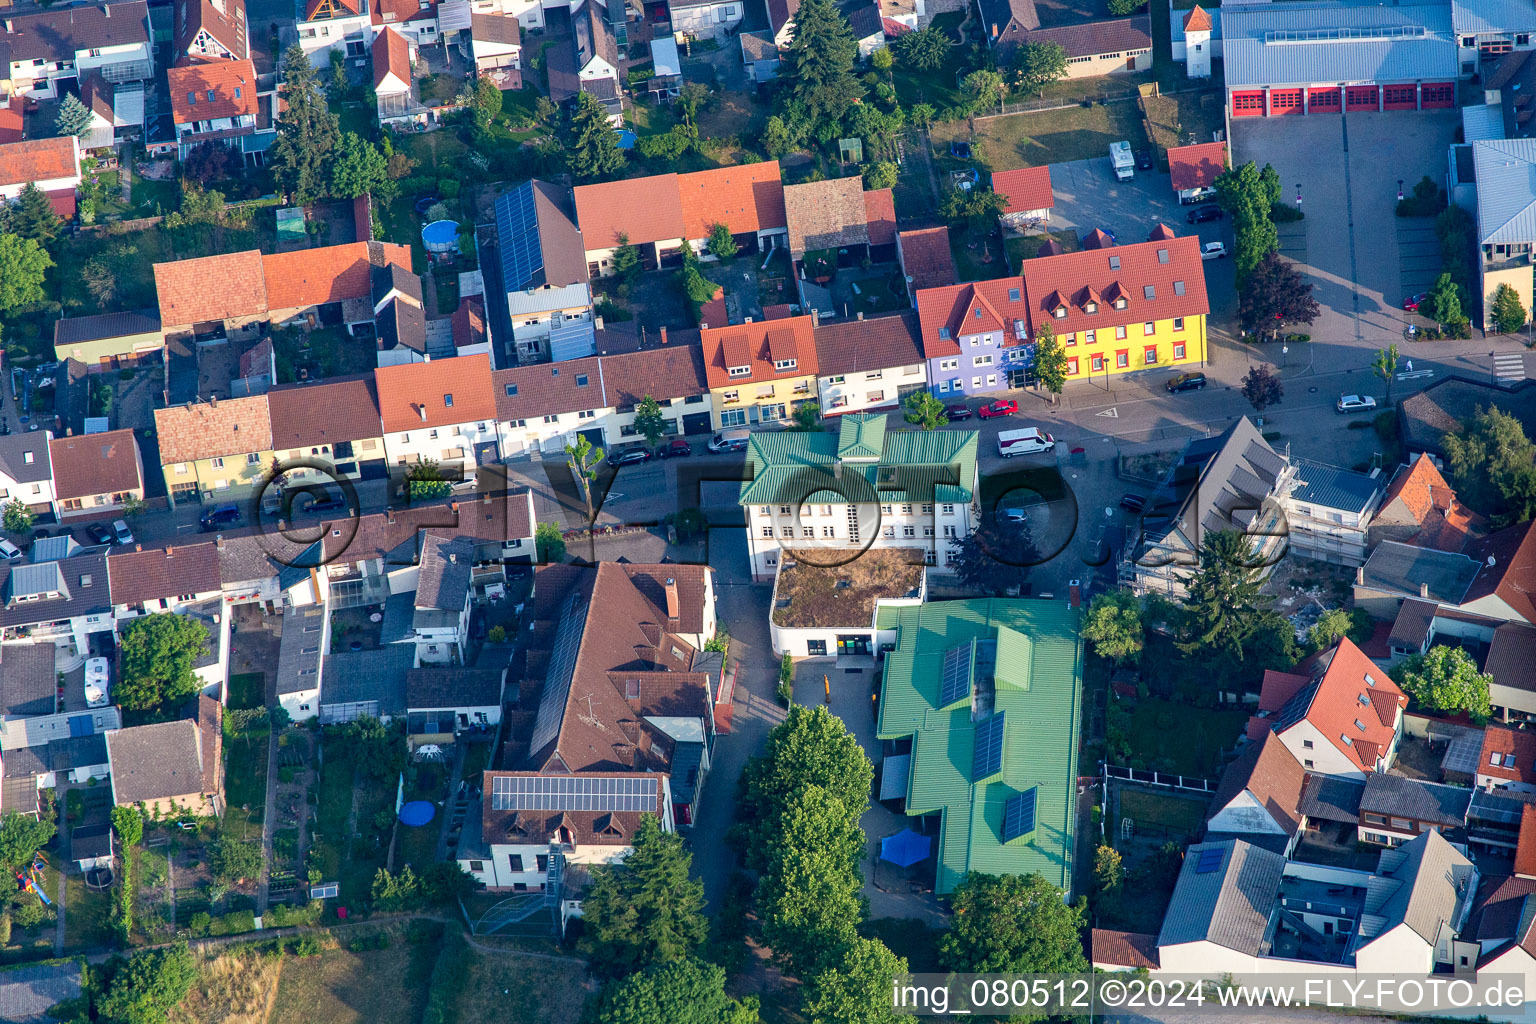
(1282, 213)
(786, 680)
(281, 915)
(199, 924)
(1428, 199)
(496, 635)
(370, 941)
(305, 946)
(689, 523)
(234, 923)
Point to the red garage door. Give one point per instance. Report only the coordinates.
(1360, 97)
(1438, 95)
(1247, 104)
(1400, 97)
(1284, 101)
(1324, 101)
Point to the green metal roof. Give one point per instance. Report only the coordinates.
(795, 467)
(1038, 681)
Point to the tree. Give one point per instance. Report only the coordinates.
(1262, 388)
(1016, 924)
(22, 266)
(582, 460)
(927, 49)
(487, 100)
(858, 989)
(425, 481)
(921, 115)
(1225, 596)
(649, 420)
(1275, 294)
(807, 415)
(359, 168)
(1245, 196)
(549, 542)
(128, 823)
(811, 747)
(1036, 65)
(881, 173)
(99, 279)
(591, 146)
(74, 118)
(211, 161)
(644, 910)
(1330, 627)
(1385, 367)
(882, 59)
(33, 216)
(373, 748)
(1444, 302)
(776, 139)
(1447, 679)
(151, 984)
(233, 859)
(983, 87)
(1108, 879)
(922, 409)
(681, 992)
(996, 558)
(625, 262)
(697, 288)
(1491, 465)
(721, 245)
(810, 898)
(1050, 360)
(1113, 626)
(1124, 8)
(15, 517)
(978, 208)
(818, 65)
(21, 836)
(1508, 310)
(158, 652)
(308, 133)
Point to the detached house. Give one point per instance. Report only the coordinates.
(218, 450)
(61, 601)
(859, 488)
(1420, 508)
(394, 57)
(212, 102)
(26, 474)
(760, 372)
(96, 474)
(171, 767)
(441, 410)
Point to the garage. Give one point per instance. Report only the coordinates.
(1361, 97)
(1284, 101)
(1400, 97)
(1324, 101)
(1248, 104)
(696, 423)
(1438, 95)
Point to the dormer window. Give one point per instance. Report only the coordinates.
(210, 95)
(1120, 302)
(1114, 263)
(1090, 307)
(1496, 759)
(1060, 312)
(784, 364)
(740, 371)
(1509, 760)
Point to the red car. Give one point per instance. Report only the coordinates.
(1001, 407)
(958, 411)
(1411, 304)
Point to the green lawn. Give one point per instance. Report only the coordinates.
(356, 116)
(1175, 813)
(1185, 118)
(970, 263)
(1051, 136)
(87, 915)
(245, 776)
(247, 690)
(1025, 247)
(1181, 738)
(147, 195)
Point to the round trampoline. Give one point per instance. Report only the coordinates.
(441, 236)
(417, 812)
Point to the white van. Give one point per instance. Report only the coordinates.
(730, 440)
(1024, 442)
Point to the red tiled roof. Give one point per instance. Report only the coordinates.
(926, 259)
(880, 215)
(747, 198)
(393, 12)
(1124, 949)
(39, 160)
(1355, 699)
(544, 389)
(955, 310)
(206, 430)
(1196, 166)
(755, 345)
(1525, 849)
(324, 413)
(89, 464)
(1419, 494)
(469, 326)
(211, 288)
(63, 203)
(875, 343)
(210, 90)
(153, 574)
(413, 396)
(1504, 741)
(644, 209)
(1026, 188)
(10, 120)
(1508, 570)
(673, 371)
(1197, 20)
(326, 9)
(1177, 285)
(224, 21)
(333, 273)
(1271, 774)
(391, 56)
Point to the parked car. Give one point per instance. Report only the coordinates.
(732, 440)
(226, 514)
(1001, 407)
(120, 531)
(319, 505)
(1356, 403)
(1186, 382)
(1024, 442)
(627, 456)
(1144, 160)
(1412, 303)
(957, 412)
(959, 149)
(1201, 214)
(1134, 503)
(1012, 515)
(1213, 251)
(8, 551)
(677, 448)
(98, 533)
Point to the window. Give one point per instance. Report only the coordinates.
(1162, 255)
(768, 531)
(1114, 263)
(943, 333)
(555, 418)
(783, 510)
(1013, 295)
(949, 531)
(927, 510)
(949, 364)
(875, 396)
(828, 532)
(1149, 355)
(581, 380)
(1120, 303)
(217, 463)
(985, 360)
(431, 435)
(1149, 291)
(1178, 350)
(889, 533)
(1069, 340)
(1149, 328)
(1120, 333)
(1178, 287)
(786, 531)
(253, 459)
(1090, 337)
(515, 861)
(1122, 359)
(807, 532)
(909, 531)
(740, 371)
(27, 457)
(976, 383)
(1090, 307)
(885, 510)
(1072, 366)
(948, 510)
(1178, 323)
(943, 387)
(511, 390)
(906, 510)
(1309, 763)
(975, 338)
(784, 364)
(448, 399)
(927, 531)
(874, 375)
(991, 380)
(1097, 364)
(1060, 313)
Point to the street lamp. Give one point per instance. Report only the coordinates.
(1298, 195)
(1285, 353)
(1399, 189)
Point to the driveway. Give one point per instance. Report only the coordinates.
(263, 16)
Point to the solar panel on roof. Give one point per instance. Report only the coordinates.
(572, 793)
(987, 759)
(562, 667)
(517, 231)
(1209, 860)
(1019, 815)
(956, 684)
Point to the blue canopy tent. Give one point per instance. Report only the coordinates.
(905, 848)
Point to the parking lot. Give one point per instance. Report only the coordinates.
(1362, 258)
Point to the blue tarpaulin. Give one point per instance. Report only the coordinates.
(417, 812)
(905, 848)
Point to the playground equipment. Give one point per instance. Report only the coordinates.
(32, 881)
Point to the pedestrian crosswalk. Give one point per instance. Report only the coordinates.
(1509, 368)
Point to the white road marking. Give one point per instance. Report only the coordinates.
(1111, 413)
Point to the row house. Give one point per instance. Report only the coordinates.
(1394, 809)
(861, 487)
(43, 52)
(865, 364)
(65, 600)
(182, 579)
(400, 319)
(218, 450)
(975, 337)
(416, 20)
(760, 373)
(26, 474)
(96, 475)
(441, 411)
(545, 407)
(332, 425)
(212, 102)
(53, 165)
(624, 729)
(538, 249)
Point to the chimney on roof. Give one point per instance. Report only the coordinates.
(421, 410)
(213, 401)
(860, 315)
(453, 556)
(138, 547)
(1075, 594)
(597, 323)
(1423, 589)
(663, 335)
(389, 515)
(672, 603)
(815, 317)
(218, 541)
(1360, 576)
(994, 30)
